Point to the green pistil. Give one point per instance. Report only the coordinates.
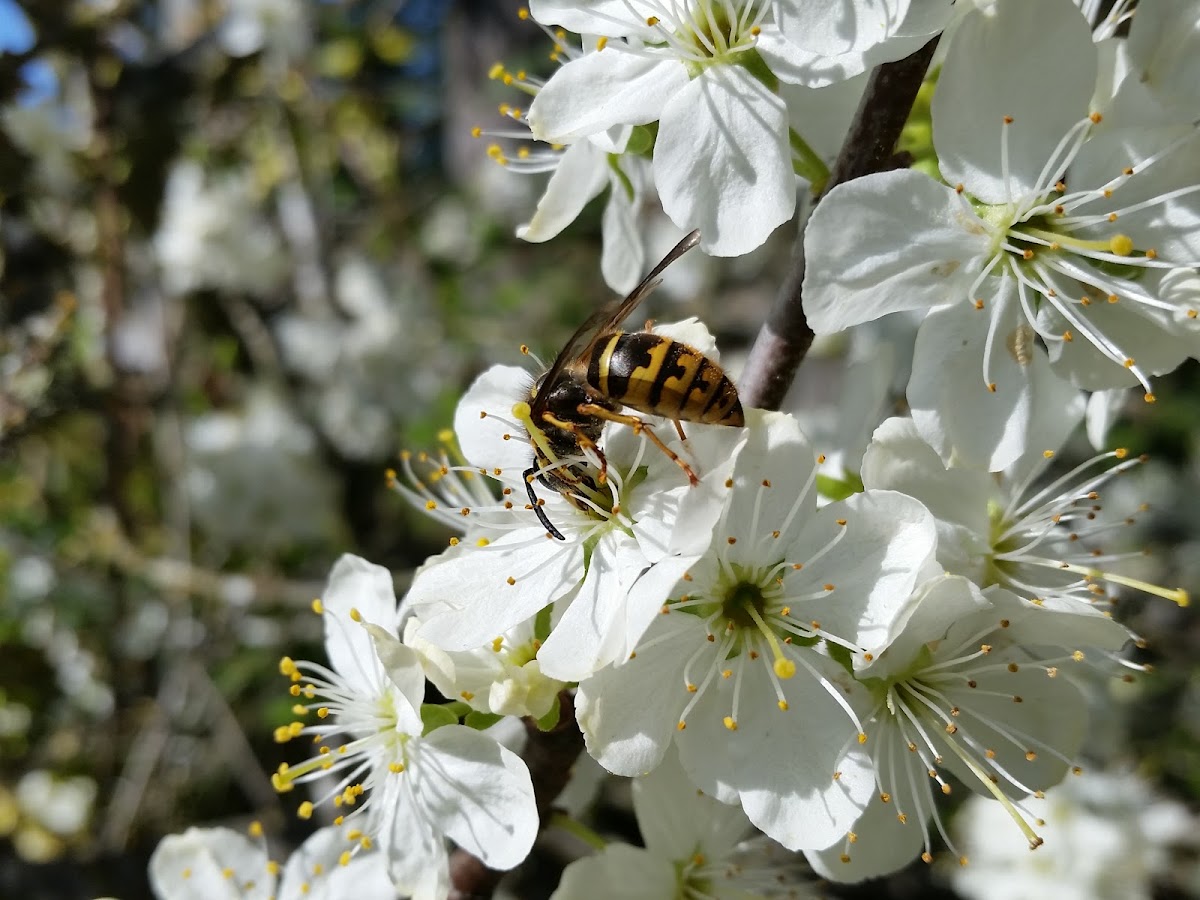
(739, 599)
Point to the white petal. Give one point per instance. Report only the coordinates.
(412, 843)
(899, 459)
(1032, 60)
(1157, 345)
(618, 872)
(205, 854)
(671, 516)
(590, 632)
(627, 726)
(881, 843)
(1059, 622)
(885, 243)
(1103, 409)
(1164, 50)
(793, 64)
(355, 583)
(951, 404)
(582, 174)
(624, 255)
(479, 794)
(781, 764)
(615, 18)
(771, 471)
(484, 415)
(885, 545)
(403, 669)
(645, 601)
(929, 614)
(676, 820)
(725, 128)
(470, 598)
(841, 26)
(365, 875)
(599, 90)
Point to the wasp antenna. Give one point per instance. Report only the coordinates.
(527, 476)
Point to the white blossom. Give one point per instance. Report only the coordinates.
(404, 791)
(504, 677)
(1060, 231)
(1041, 539)
(694, 847)
(579, 173)
(744, 662)
(1109, 836)
(619, 556)
(970, 684)
(222, 864)
(213, 234)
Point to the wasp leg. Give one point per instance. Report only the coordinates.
(639, 427)
(584, 441)
(679, 428)
(530, 474)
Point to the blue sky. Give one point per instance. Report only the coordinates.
(17, 36)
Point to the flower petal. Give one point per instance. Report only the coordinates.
(357, 584)
(677, 821)
(598, 90)
(623, 258)
(952, 406)
(627, 727)
(467, 599)
(618, 872)
(1000, 64)
(781, 764)
(484, 416)
(588, 635)
(725, 128)
(209, 864)
(582, 173)
(886, 243)
(479, 793)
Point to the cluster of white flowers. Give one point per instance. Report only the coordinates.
(764, 637)
(720, 108)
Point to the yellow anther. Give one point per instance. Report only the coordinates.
(256, 829)
(306, 810)
(730, 723)
(355, 615)
(317, 606)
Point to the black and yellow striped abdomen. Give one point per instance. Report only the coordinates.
(656, 375)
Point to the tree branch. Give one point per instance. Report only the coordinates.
(785, 337)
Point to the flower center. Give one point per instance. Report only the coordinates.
(705, 32)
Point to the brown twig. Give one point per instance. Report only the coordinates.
(785, 337)
(550, 756)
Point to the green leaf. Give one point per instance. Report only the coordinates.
(550, 719)
(481, 720)
(434, 716)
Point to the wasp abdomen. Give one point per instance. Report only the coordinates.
(654, 374)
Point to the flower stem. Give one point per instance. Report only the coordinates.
(785, 337)
(578, 829)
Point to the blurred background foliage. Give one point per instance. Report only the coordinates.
(250, 250)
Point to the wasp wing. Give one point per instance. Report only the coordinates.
(610, 316)
(651, 281)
